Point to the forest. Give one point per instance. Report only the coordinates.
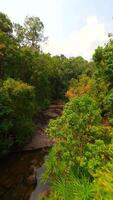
(80, 163)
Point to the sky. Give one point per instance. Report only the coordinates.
(73, 27)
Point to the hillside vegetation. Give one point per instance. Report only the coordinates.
(80, 164)
(29, 79)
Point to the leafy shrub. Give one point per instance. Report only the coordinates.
(72, 131)
(17, 107)
(103, 185)
(109, 102)
(96, 88)
(97, 155)
(5, 122)
(85, 85)
(83, 144)
(23, 105)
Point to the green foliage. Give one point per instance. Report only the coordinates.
(82, 112)
(80, 163)
(5, 122)
(17, 107)
(103, 185)
(99, 93)
(22, 102)
(109, 102)
(97, 88)
(5, 24)
(97, 155)
(84, 145)
(63, 70)
(104, 62)
(71, 187)
(21, 59)
(83, 151)
(31, 33)
(40, 79)
(98, 55)
(72, 131)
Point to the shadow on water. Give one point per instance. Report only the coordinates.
(18, 174)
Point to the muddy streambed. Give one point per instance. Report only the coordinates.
(18, 174)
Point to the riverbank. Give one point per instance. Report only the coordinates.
(40, 139)
(17, 174)
(18, 170)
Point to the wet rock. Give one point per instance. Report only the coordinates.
(51, 114)
(31, 180)
(33, 169)
(34, 162)
(40, 139)
(42, 188)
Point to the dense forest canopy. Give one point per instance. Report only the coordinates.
(27, 74)
(80, 164)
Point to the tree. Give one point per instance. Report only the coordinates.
(31, 34)
(5, 122)
(5, 24)
(8, 46)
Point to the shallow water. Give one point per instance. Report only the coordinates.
(42, 187)
(16, 172)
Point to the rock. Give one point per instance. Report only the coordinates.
(31, 180)
(40, 138)
(33, 170)
(41, 188)
(50, 114)
(34, 162)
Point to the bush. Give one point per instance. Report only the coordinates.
(5, 122)
(85, 85)
(103, 185)
(96, 88)
(83, 145)
(22, 102)
(72, 131)
(17, 107)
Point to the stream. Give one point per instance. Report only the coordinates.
(17, 174)
(20, 172)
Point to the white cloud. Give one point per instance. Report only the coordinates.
(82, 42)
